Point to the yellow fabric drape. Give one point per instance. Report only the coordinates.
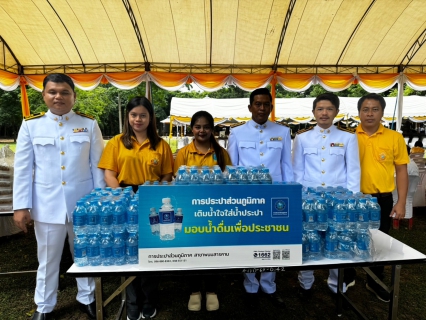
(250, 82)
(378, 81)
(416, 80)
(295, 82)
(36, 81)
(24, 98)
(210, 82)
(336, 82)
(8, 81)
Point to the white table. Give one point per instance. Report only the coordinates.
(388, 251)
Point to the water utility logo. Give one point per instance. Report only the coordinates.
(279, 208)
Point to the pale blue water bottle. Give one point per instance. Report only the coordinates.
(205, 176)
(132, 248)
(363, 245)
(79, 217)
(344, 250)
(331, 242)
(93, 217)
(182, 177)
(119, 217)
(243, 176)
(305, 246)
(93, 249)
(352, 214)
(80, 250)
(322, 214)
(264, 176)
(119, 248)
(232, 176)
(194, 177)
(167, 219)
(253, 176)
(375, 214)
(314, 245)
(106, 243)
(106, 217)
(363, 214)
(132, 222)
(339, 215)
(218, 176)
(309, 215)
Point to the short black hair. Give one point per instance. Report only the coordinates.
(418, 143)
(58, 78)
(329, 97)
(372, 96)
(258, 92)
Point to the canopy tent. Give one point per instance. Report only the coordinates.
(376, 43)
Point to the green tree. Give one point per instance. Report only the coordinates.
(10, 113)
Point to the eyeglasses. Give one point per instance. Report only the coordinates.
(373, 110)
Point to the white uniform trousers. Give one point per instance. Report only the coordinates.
(50, 244)
(267, 282)
(306, 279)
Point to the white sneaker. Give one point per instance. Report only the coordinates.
(194, 303)
(212, 303)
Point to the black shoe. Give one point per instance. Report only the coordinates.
(276, 300)
(305, 294)
(349, 277)
(89, 309)
(41, 316)
(380, 292)
(251, 300)
(148, 311)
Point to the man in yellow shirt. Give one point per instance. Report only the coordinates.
(382, 153)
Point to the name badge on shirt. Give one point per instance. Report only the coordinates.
(276, 139)
(78, 130)
(337, 144)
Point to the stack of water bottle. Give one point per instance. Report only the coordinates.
(106, 228)
(214, 175)
(336, 223)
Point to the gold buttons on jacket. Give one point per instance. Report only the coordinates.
(261, 142)
(62, 153)
(323, 184)
(261, 153)
(322, 171)
(63, 167)
(321, 130)
(60, 124)
(66, 118)
(62, 138)
(64, 183)
(324, 136)
(323, 148)
(261, 131)
(322, 159)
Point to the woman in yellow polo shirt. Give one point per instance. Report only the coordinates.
(129, 159)
(204, 150)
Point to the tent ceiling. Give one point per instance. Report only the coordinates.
(213, 36)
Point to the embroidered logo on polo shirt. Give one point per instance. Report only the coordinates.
(382, 156)
(155, 161)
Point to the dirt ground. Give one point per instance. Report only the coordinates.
(18, 252)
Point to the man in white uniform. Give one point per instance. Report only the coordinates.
(326, 155)
(261, 142)
(56, 163)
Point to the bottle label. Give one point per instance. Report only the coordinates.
(375, 215)
(322, 216)
(132, 218)
(106, 220)
(118, 252)
(167, 217)
(92, 220)
(154, 220)
(79, 252)
(118, 219)
(106, 252)
(93, 251)
(79, 220)
(132, 251)
(178, 218)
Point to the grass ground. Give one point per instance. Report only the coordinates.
(18, 252)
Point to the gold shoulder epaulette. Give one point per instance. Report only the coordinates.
(304, 130)
(347, 130)
(34, 116)
(85, 115)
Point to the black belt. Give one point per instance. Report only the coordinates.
(382, 195)
(134, 187)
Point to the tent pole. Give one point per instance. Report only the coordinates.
(273, 87)
(24, 97)
(400, 101)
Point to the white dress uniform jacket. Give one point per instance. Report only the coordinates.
(267, 145)
(61, 153)
(327, 157)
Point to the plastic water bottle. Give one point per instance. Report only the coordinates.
(167, 226)
(119, 217)
(329, 200)
(330, 249)
(314, 245)
(309, 215)
(264, 176)
(352, 213)
(253, 176)
(132, 224)
(232, 176)
(178, 220)
(154, 221)
(205, 176)
(106, 217)
(93, 217)
(375, 213)
(363, 214)
(339, 215)
(194, 177)
(106, 243)
(362, 250)
(344, 250)
(119, 248)
(243, 176)
(132, 248)
(80, 250)
(322, 214)
(93, 249)
(305, 246)
(218, 176)
(182, 177)
(79, 217)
